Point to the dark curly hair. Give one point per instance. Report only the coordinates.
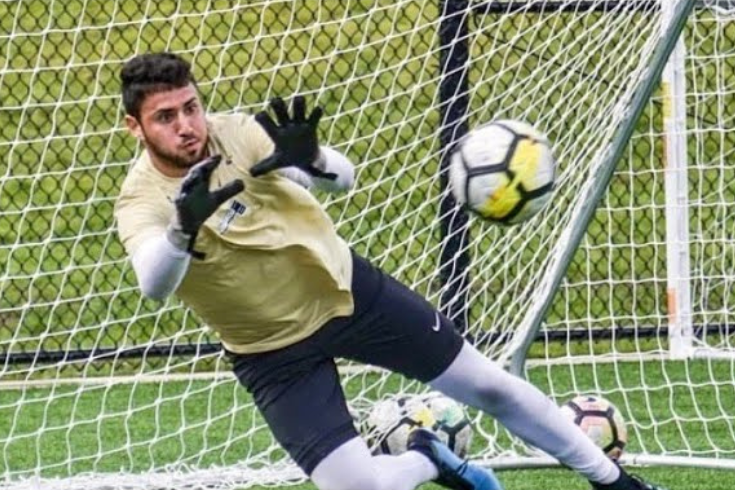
(151, 73)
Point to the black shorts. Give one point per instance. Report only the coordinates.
(297, 388)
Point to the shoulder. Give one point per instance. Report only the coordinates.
(240, 133)
(144, 186)
(143, 208)
(138, 174)
(132, 183)
(240, 125)
(225, 122)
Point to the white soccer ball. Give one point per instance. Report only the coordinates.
(451, 423)
(601, 421)
(390, 422)
(503, 171)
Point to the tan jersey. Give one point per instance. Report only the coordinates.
(275, 269)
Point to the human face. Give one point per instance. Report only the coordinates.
(173, 128)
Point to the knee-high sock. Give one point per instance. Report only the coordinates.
(352, 467)
(477, 381)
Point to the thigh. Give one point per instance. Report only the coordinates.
(393, 327)
(299, 394)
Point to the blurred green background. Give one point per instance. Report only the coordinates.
(374, 67)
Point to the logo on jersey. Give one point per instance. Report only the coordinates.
(437, 323)
(236, 209)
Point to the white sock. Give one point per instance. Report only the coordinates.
(525, 411)
(351, 466)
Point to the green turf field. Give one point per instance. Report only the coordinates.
(683, 479)
(373, 66)
(208, 423)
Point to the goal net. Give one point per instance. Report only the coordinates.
(643, 312)
(101, 388)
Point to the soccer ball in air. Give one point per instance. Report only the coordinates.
(601, 421)
(390, 422)
(503, 171)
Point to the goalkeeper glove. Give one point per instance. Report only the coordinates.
(295, 139)
(195, 203)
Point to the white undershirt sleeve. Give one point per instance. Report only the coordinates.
(160, 267)
(334, 162)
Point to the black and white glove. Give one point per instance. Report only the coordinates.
(295, 139)
(195, 203)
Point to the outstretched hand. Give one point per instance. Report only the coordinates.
(295, 139)
(195, 203)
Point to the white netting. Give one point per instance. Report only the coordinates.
(141, 413)
(623, 293)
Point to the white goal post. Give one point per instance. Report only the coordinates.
(624, 286)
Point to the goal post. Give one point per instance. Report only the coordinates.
(676, 189)
(101, 388)
(672, 24)
(654, 267)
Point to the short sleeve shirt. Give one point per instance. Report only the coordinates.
(274, 268)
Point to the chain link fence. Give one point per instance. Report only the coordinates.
(68, 294)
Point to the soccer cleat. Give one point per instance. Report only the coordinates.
(627, 482)
(454, 473)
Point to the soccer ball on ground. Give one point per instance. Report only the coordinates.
(503, 171)
(390, 422)
(451, 423)
(601, 421)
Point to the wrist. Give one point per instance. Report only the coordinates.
(320, 163)
(178, 238)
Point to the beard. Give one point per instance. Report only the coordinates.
(180, 160)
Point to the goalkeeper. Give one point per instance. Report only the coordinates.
(217, 209)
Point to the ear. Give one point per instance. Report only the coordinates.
(134, 126)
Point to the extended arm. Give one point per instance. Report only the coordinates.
(297, 154)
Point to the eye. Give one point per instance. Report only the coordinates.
(191, 109)
(164, 117)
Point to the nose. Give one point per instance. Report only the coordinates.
(184, 125)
